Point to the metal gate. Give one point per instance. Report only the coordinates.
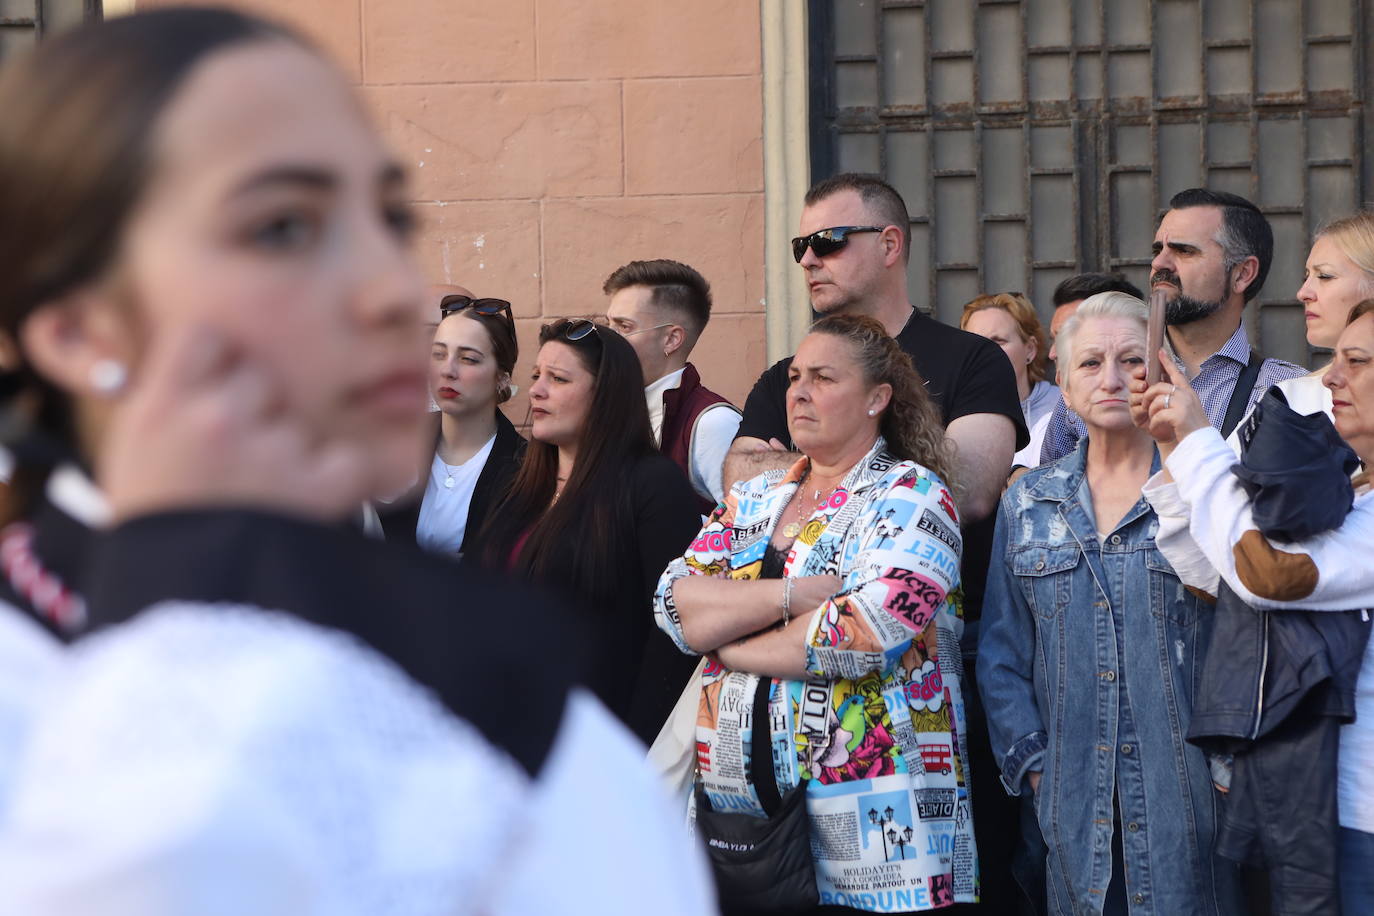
(1034, 140)
(22, 22)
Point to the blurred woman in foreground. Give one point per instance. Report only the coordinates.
(209, 297)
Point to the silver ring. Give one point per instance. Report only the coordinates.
(1167, 397)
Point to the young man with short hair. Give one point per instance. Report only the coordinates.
(661, 307)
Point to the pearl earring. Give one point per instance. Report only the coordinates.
(108, 376)
(871, 412)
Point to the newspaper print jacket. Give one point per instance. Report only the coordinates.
(878, 731)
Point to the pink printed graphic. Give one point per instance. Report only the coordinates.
(715, 542)
(911, 598)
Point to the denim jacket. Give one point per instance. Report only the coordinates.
(1090, 655)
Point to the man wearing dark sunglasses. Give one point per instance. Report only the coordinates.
(853, 246)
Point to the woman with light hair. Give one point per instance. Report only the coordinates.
(1339, 273)
(1010, 321)
(1088, 654)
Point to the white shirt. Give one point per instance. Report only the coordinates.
(1037, 408)
(229, 760)
(444, 511)
(1201, 517)
(711, 437)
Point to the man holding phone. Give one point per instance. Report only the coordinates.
(1212, 252)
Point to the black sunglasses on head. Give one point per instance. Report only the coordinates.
(827, 241)
(578, 328)
(457, 303)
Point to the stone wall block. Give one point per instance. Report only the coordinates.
(584, 240)
(448, 41)
(632, 38)
(516, 140)
(693, 136)
(490, 247)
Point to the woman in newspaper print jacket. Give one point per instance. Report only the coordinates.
(859, 628)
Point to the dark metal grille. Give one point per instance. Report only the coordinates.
(22, 22)
(1034, 140)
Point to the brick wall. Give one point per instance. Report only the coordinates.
(550, 141)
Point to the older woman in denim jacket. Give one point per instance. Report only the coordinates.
(1091, 651)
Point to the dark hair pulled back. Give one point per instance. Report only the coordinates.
(80, 112)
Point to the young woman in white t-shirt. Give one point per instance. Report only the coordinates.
(476, 449)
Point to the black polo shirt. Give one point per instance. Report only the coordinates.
(964, 373)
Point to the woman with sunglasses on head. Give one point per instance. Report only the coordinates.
(477, 450)
(209, 298)
(595, 512)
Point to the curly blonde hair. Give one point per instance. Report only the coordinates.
(911, 422)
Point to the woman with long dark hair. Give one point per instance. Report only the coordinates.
(209, 302)
(596, 513)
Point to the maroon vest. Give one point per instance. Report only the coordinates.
(681, 407)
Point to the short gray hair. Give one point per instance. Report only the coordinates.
(1103, 305)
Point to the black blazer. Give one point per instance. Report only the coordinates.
(400, 518)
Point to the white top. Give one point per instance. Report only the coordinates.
(1037, 408)
(448, 496)
(234, 760)
(30, 656)
(1201, 521)
(711, 439)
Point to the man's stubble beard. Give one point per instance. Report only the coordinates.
(1183, 310)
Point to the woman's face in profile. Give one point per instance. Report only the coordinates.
(1351, 380)
(274, 215)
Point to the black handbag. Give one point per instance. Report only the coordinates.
(761, 865)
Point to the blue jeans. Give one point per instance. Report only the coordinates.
(1357, 872)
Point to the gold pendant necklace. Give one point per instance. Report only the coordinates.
(794, 528)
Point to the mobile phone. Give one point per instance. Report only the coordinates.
(1154, 336)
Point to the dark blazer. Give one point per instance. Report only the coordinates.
(400, 517)
(634, 667)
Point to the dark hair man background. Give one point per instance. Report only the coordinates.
(1212, 252)
(1069, 293)
(661, 307)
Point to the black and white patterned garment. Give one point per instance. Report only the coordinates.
(277, 718)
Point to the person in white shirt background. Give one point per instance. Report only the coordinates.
(477, 450)
(661, 307)
(1010, 321)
